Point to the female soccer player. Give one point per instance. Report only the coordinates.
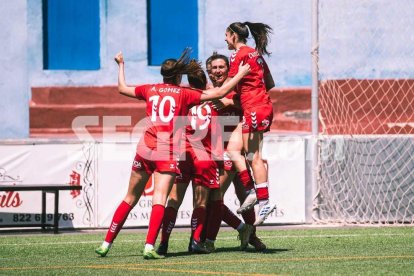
(155, 151)
(219, 66)
(256, 105)
(198, 165)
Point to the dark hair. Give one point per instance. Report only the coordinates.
(171, 68)
(215, 56)
(197, 78)
(259, 31)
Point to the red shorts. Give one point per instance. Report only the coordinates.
(150, 166)
(201, 172)
(257, 119)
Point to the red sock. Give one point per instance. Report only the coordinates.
(197, 222)
(249, 216)
(118, 221)
(168, 222)
(262, 191)
(155, 222)
(214, 219)
(246, 180)
(229, 217)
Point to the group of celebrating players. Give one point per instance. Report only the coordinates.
(210, 152)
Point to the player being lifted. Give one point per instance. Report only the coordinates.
(256, 105)
(165, 104)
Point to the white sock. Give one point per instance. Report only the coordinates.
(262, 185)
(240, 227)
(149, 246)
(107, 244)
(252, 190)
(263, 202)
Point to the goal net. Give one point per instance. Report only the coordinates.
(366, 112)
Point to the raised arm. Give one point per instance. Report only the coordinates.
(122, 87)
(219, 92)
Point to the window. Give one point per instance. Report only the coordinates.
(71, 35)
(172, 26)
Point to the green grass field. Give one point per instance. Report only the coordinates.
(328, 251)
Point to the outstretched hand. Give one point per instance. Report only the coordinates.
(119, 58)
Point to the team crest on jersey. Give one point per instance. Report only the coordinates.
(172, 166)
(137, 164)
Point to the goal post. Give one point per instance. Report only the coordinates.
(364, 165)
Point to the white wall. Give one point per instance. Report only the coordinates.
(14, 84)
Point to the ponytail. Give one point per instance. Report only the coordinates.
(259, 31)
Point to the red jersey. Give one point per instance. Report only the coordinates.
(203, 131)
(166, 104)
(252, 88)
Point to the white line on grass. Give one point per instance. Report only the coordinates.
(222, 238)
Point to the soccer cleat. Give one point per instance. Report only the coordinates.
(248, 202)
(151, 254)
(244, 235)
(265, 210)
(162, 248)
(102, 250)
(257, 243)
(210, 246)
(199, 247)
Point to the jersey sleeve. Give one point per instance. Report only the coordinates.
(234, 65)
(141, 92)
(193, 97)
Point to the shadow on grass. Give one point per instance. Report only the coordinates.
(230, 249)
(218, 250)
(252, 250)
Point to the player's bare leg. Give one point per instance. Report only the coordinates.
(163, 182)
(137, 182)
(253, 143)
(234, 149)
